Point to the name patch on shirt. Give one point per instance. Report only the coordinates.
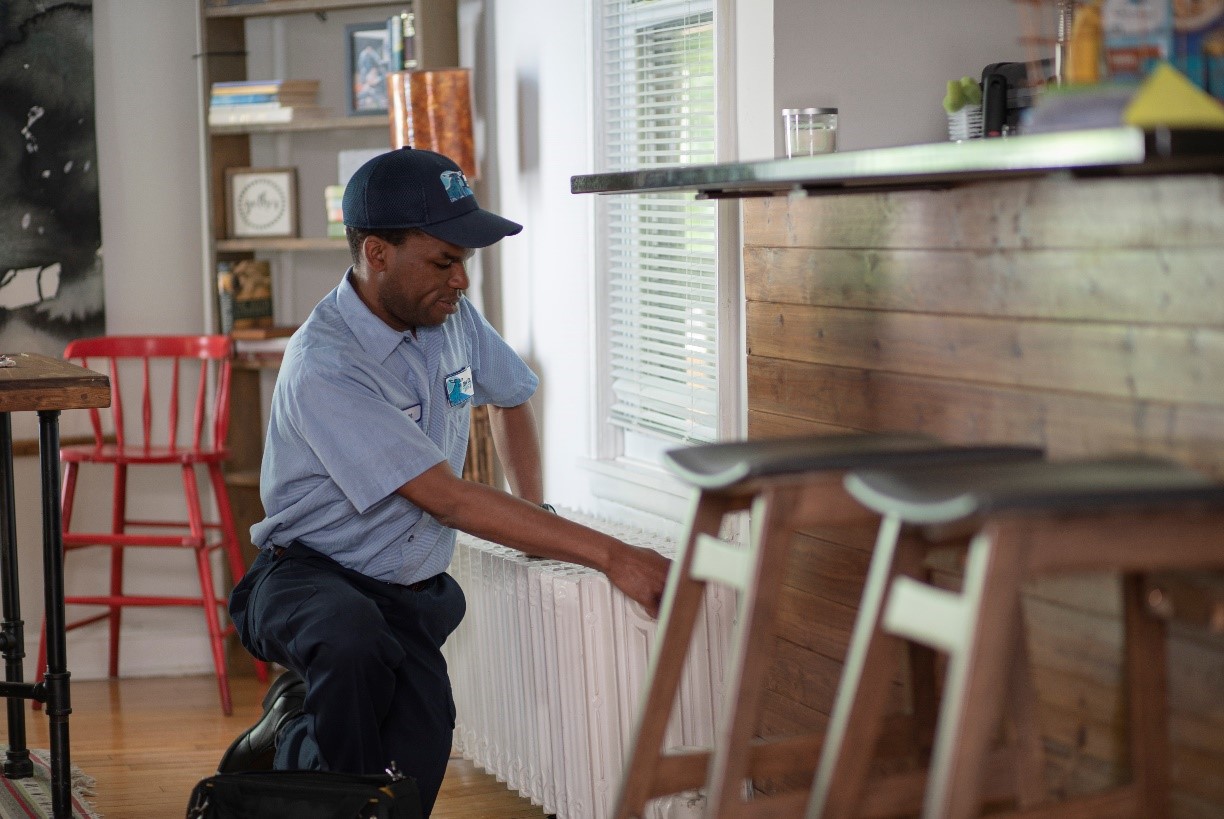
(459, 387)
(413, 413)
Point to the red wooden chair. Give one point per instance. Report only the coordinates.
(195, 434)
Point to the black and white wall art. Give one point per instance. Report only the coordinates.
(50, 226)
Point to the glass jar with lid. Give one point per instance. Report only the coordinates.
(809, 131)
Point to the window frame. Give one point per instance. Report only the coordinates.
(626, 474)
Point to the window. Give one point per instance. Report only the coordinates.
(658, 304)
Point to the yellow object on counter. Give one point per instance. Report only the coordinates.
(1168, 98)
(1084, 52)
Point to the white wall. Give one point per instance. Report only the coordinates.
(147, 115)
(537, 134)
(884, 63)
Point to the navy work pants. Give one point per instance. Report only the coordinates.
(377, 689)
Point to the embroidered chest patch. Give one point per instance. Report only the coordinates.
(459, 387)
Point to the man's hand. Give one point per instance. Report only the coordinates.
(641, 574)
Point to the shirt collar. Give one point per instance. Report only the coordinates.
(371, 332)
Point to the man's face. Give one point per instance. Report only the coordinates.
(421, 282)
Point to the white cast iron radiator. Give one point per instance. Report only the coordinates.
(549, 666)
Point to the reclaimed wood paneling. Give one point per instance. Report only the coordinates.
(1083, 315)
(1052, 212)
(1176, 286)
(795, 396)
(1181, 364)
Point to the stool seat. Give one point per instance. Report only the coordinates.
(723, 465)
(962, 491)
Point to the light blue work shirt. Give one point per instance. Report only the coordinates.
(359, 410)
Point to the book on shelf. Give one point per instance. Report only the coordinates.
(255, 107)
(241, 87)
(395, 42)
(259, 113)
(226, 100)
(333, 196)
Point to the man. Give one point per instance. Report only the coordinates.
(366, 440)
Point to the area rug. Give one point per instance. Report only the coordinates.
(30, 798)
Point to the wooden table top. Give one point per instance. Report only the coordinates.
(39, 382)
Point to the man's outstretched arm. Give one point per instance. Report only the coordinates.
(492, 514)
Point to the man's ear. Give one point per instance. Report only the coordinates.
(374, 253)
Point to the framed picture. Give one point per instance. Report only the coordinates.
(369, 59)
(261, 202)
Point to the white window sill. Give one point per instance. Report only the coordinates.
(639, 487)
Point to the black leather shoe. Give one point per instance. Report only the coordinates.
(254, 748)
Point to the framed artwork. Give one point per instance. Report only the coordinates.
(368, 57)
(51, 265)
(261, 202)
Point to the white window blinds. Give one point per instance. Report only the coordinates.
(658, 109)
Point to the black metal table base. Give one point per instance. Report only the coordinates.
(53, 690)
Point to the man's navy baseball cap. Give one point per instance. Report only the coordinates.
(413, 188)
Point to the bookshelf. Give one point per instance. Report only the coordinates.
(303, 244)
(297, 39)
(288, 39)
(322, 124)
(219, 10)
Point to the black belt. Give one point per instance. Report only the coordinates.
(420, 585)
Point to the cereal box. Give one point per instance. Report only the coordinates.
(1198, 42)
(1137, 33)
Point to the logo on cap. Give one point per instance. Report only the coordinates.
(456, 185)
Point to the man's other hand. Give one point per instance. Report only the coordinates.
(641, 574)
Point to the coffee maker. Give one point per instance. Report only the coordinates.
(1007, 90)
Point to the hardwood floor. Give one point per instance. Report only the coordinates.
(148, 741)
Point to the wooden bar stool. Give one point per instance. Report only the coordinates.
(1129, 515)
(788, 484)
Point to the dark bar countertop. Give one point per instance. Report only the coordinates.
(1101, 151)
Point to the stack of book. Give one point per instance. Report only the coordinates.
(244, 294)
(246, 102)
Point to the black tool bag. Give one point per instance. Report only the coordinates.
(304, 795)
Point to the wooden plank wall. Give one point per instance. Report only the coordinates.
(1084, 315)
